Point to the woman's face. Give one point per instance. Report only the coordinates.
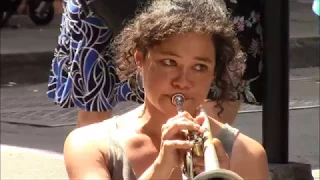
(180, 64)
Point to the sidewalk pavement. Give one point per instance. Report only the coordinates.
(26, 52)
(29, 104)
(30, 120)
(25, 163)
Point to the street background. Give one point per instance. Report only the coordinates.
(30, 121)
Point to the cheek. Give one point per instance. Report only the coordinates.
(203, 85)
(155, 78)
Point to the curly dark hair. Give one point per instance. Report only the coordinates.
(161, 19)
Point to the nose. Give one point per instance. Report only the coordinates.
(182, 81)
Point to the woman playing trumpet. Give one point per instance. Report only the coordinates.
(177, 46)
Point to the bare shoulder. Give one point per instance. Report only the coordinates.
(83, 155)
(88, 135)
(249, 152)
(248, 146)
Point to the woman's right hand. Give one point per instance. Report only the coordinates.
(174, 144)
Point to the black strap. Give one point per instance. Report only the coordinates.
(227, 136)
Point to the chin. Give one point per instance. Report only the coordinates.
(170, 110)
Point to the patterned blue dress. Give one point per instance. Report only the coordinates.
(83, 73)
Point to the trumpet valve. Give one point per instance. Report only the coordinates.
(198, 142)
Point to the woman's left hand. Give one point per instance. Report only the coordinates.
(224, 160)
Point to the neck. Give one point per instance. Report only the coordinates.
(151, 120)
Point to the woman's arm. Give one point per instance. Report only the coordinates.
(249, 159)
(82, 157)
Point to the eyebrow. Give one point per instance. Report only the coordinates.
(169, 53)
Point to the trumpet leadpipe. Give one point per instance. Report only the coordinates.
(178, 100)
(211, 161)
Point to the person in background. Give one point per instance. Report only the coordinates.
(83, 72)
(248, 23)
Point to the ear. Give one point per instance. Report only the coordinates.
(138, 56)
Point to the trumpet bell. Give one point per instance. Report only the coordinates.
(218, 174)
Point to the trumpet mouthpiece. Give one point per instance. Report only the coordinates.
(177, 99)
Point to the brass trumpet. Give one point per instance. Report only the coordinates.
(201, 149)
